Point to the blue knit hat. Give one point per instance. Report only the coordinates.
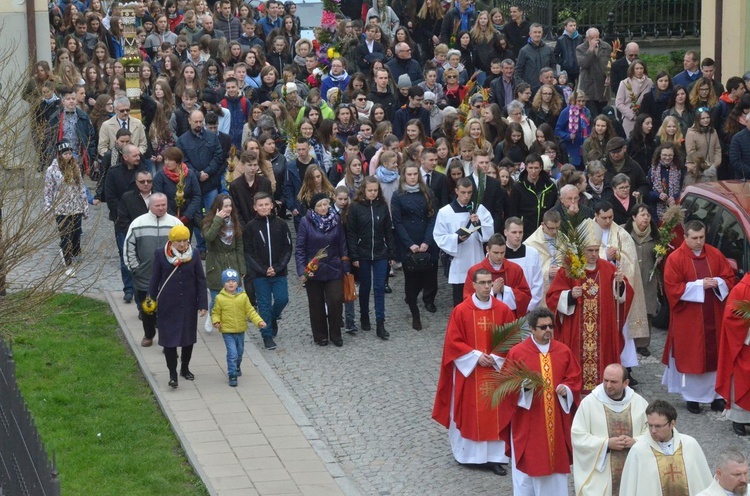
(229, 275)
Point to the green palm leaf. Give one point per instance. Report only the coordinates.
(508, 335)
(510, 380)
(742, 310)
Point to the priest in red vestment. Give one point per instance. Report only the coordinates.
(536, 427)
(592, 312)
(461, 404)
(508, 280)
(733, 374)
(697, 280)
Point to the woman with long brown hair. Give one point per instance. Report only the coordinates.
(414, 209)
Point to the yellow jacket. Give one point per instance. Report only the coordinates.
(232, 312)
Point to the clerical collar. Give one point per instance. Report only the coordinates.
(590, 266)
(482, 305)
(697, 253)
(496, 267)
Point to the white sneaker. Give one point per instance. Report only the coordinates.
(70, 272)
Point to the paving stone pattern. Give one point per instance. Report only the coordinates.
(370, 402)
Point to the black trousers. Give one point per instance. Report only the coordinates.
(322, 294)
(171, 355)
(458, 294)
(427, 281)
(69, 227)
(148, 321)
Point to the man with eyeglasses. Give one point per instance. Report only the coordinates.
(468, 363)
(121, 120)
(536, 424)
(436, 114)
(412, 110)
(603, 432)
(591, 310)
(403, 63)
(664, 461)
(119, 180)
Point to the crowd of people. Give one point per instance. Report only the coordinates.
(438, 135)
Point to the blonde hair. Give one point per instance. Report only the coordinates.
(441, 49)
(678, 137)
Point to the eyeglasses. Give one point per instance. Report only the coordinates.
(145, 181)
(652, 427)
(124, 111)
(545, 326)
(428, 103)
(361, 99)
(451, 77)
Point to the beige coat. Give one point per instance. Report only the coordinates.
(624, 100)
(707, 144)
(108, 133)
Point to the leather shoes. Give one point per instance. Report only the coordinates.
(322, 343)
(338, 342)
(718, 405)
(497, 469)
(430, 307)
(128, 298)
(643, 351)
(388, 289)
(146, 342)
(739, 429)
(173, 380)
(187, 375)
(693, 407)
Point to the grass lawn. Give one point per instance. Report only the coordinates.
(80, 380)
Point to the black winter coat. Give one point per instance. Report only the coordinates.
(412, 224)
(268, 243)
(369, 232)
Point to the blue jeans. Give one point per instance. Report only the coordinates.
(349, 314)
(208, 199)
(127, 277)
(375, 273)
(266, 289)
(235, 343)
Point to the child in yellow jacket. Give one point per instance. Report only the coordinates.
(231, 310)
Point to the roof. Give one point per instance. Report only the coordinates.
(723, 192)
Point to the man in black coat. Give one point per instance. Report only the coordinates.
(134, 203)
(121, 179)
(617, 161)
(412, 110)
(369, 50)
(503, 88)
(517, 29)
(432, 178)
(403, 63)
(565, 50)
(383, 95)
(619, 70)
(494, 198)
(533, 194)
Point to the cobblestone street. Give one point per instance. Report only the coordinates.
(371, 401)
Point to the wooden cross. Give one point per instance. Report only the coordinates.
(485, 323)
(672, 472)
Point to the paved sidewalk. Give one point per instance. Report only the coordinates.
(250, 440)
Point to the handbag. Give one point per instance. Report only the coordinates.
(350, 290)
(417, 262)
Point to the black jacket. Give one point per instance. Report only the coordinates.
(365, 59)
(131, 205)
(452, 22)
(565, 53)
(388, 100)
(412, 224)
(618, 73)
(639, 181)
(368, 231)
(119, 180)
(517, 35)
(268, 243)
(493, 200)
(242, 196)
(530, 201)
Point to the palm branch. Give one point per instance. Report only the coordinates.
(513, 377)
(571, 243)
(742, 310)
(506, 336)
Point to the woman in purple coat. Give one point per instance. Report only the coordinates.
(178, 284)
(321, 228)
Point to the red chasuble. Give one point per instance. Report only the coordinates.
(541, 435)
(694, 328)
(734, 355)
(514, 278)
(591, 332)
(469, 329)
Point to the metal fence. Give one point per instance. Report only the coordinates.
(629, 18)
(24, 467)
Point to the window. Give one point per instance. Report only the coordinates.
(703, 210)
(731, 240)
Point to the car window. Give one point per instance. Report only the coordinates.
(731, 239)
(703, 210)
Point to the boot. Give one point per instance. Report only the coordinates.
(381, 332)
(416, 322)
(365, 321)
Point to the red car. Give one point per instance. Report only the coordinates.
(724, 207)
